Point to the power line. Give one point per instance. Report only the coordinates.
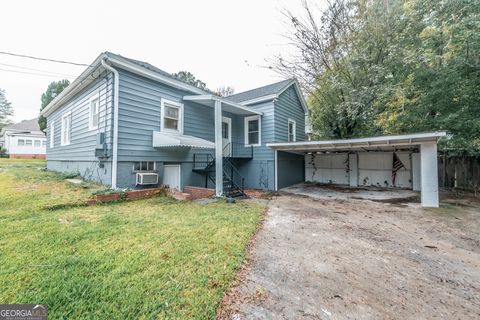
(32, 73)
(44, 59)
(32, 69)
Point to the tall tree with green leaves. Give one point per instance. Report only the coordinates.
(6, 110)
(53, 90)
(390, 66)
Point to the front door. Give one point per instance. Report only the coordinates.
(227, 136)
(171, 176)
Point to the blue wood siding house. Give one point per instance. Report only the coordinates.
(126, 124)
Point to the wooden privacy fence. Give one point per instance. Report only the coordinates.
(461, 172)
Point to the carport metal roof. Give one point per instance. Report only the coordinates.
(382, 143)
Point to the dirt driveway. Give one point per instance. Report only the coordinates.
(358, 259)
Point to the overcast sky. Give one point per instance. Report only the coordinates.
(220, 42)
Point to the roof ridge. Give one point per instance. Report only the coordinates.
(257, 88)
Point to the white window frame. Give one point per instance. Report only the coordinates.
(52, 134)
(35, 143)
(154, 166)
(174, 104)
(18, 143)
(30, 141)
(294, 130)
(94, 98)
(247, 120)
(65, 142)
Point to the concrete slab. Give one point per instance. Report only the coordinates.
(334, 192)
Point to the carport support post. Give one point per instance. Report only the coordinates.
(429, 174)
(218, 150)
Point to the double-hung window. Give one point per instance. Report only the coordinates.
(172, 116)
(20, 142)
(292, 128)
(52, 134)
(28, 143)
(94, 112)
(37, 143)
(66, 128)
(252, 131)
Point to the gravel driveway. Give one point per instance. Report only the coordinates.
(358, 259)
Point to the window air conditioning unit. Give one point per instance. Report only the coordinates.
(147, 178)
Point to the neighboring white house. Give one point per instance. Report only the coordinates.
(24, 140)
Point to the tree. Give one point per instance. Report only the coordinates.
(53, 90)
(189, 78)
(6, 110)
(224, 91)
(390, 67)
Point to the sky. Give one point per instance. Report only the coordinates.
(223, 43)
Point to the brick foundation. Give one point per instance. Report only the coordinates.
(27, 156)
(198, 192)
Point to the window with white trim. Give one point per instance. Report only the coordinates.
(94, 113)
(171, 116)
(52, 134)
(252, 131)
(44, 143)
(144, 166)
(37, 143)
(66, 129)
(20, 142)
(292, 128)
(28, 143)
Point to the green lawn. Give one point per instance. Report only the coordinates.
(155, 258)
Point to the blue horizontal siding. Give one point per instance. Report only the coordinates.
(82, 140)
(288, 106)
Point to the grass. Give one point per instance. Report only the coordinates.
(155, 258)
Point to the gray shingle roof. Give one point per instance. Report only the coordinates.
(270, 89)
(26, 125)
(148, 66)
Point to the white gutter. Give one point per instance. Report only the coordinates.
(116, 90)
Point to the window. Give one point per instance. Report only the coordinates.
(144, 166)
(66, 128)
(172, 116)
(44, 143)
(94, 113)
(21, 142)
(37, 143)
(292, 128)
(52, 134)
(225, 130)
(28, 143)
(252, 131)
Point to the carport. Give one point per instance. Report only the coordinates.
(400, 161)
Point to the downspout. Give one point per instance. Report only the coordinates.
(116, 90)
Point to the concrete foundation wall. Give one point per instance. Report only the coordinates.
(89, 170)
(327, 168)
(360, 169)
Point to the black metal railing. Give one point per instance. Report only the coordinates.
(233, 181)
(237, 150)
(203, 161)
(233, 175)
